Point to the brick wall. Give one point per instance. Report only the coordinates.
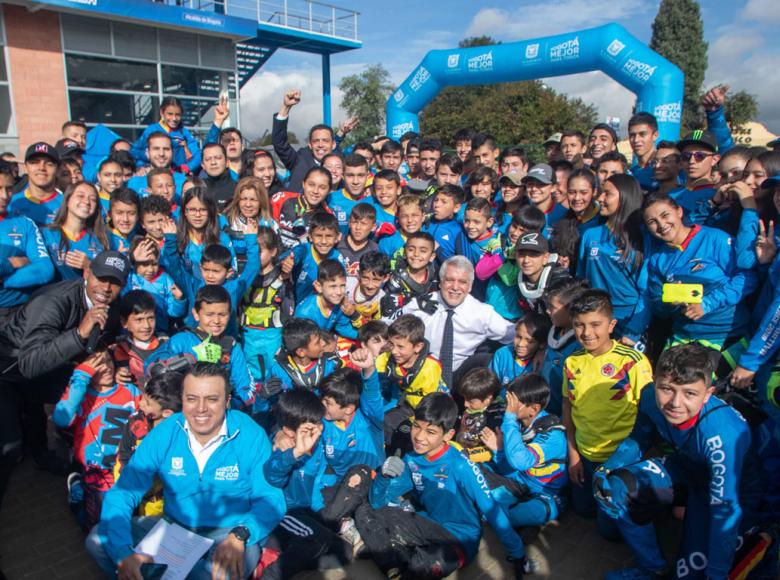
(37, 73)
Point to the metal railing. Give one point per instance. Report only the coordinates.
(308, 15)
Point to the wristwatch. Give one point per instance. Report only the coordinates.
(241, 532)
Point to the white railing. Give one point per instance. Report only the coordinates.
(308, 15)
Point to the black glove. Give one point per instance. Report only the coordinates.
(272, 386)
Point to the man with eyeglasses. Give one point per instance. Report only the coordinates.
(229, 137)
(699, 154)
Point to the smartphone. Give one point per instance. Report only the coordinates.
(153, 571)
(682, 293)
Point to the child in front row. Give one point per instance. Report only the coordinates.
(412, 276)
(95, 407)
(529, 473)
(483, 409)
(601, 389)
(445, 535)
(137, 317)
(407, 373)
(208, 342)
(512, 360)
(161, 399)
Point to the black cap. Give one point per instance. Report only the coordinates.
(68, 148)
(540, 172)
(42, 149)
(532, 242)
(111, 264)
(699, 137)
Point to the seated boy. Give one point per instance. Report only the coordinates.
(304, 542)
(357, 241)
(352, 430)
(601, 388)
(137, 316)
(407, 373)
(529, 461)
(304, 260)
(95, 407)
(714, 471)
(445, 535)
(329, 307)
(512, 360)
(410, 221)
(414, 275)
(365, 290)
(484, 406)
(148, 276)
(161, 399)
(443, 226)
(208, 342)
(216, 267)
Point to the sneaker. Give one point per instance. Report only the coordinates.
(635, 574)
(349, 533)
(393, 574)
(75, 488)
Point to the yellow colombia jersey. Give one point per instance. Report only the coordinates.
(604, 394)
(413, 389)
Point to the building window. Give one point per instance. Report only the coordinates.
(105, 73)
(7, 125)
(113, 108)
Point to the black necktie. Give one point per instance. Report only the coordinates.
(445, 354)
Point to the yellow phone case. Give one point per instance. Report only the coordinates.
(682, 293)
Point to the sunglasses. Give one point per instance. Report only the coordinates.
(697, 156)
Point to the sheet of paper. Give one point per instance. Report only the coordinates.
(174, 546)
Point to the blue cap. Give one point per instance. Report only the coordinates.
(773, 181)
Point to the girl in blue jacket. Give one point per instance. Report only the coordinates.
(696, 255)
(612, 255)
(78, 232)
(186, 149)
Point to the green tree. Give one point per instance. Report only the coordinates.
(365, 96)
(741, 108)
(678, 35)
(515, 113)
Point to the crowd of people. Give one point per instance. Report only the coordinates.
(372, 352)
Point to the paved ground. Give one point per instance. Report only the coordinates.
(39, 539)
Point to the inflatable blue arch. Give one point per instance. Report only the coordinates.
(657, 83)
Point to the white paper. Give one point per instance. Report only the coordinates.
(178, 548)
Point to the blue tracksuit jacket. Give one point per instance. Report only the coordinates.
(19, 236)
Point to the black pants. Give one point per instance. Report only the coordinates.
(417, 546)
(304, 543)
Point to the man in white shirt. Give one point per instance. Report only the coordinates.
(472, 322)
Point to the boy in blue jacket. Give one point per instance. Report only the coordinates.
(444, 536)
(24, 261)
(330, 308)
(208, 343)
(712, 471)
(222, 495)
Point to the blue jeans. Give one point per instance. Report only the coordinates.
(585, 505)
(142, 525)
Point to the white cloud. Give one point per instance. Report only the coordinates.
(765, 11)
(539, 18)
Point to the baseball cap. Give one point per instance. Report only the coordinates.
(540, 172)
(111, 264)
(774, 143)
(699, 137)
(41, 149)
(532, 242)
(67, 147)
(515, 177)
(771, 182)
(554, 138)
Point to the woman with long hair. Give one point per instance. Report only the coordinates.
(78, 232)
(612, 255)
(583, 213)
(250, 202)
(260, 164)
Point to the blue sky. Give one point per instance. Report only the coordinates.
(399, 33)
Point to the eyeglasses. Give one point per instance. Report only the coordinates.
(196, 210)
(697, 156)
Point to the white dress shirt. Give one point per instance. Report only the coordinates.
(202, 453)
(473, 323)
